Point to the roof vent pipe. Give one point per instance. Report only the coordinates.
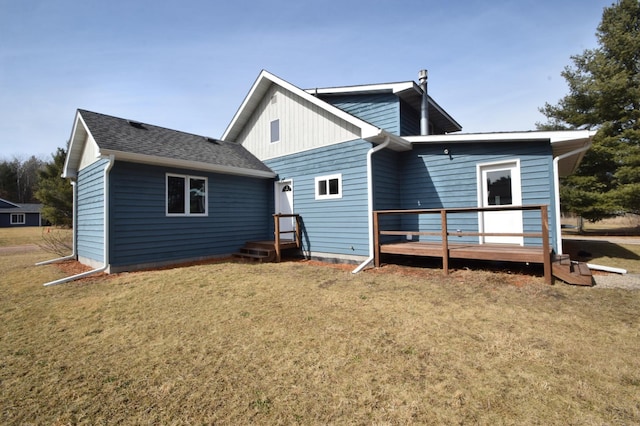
(424, 107)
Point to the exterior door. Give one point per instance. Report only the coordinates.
(284, 205)
(499, 185)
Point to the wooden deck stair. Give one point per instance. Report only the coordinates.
(263, 251)
(257, 251)
(575, 273)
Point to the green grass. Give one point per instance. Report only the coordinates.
(300, 343)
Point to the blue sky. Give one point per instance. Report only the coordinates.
(188, 64)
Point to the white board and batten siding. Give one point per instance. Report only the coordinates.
(320, 128)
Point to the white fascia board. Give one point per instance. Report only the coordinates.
(258, 89)
(366, 88)
(554, 137)
(74, 152)
(184, 164)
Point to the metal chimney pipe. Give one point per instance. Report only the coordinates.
(424, 107)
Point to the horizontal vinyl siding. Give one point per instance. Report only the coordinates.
(337, 226)
(432, 179)
(90, 212)
(141, 233)
(381, 110)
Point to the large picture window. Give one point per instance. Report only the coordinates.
(328, 187)
(186, 195)
(18, 219)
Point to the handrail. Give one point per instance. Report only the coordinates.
(445, 233)
(278, 233)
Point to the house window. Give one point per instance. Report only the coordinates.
(275, 131)
(186, 195)
(328, 187)
(17, 219)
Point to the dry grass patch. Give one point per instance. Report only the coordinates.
(305, 343)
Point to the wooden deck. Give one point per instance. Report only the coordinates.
(499, 252)
(446, 249)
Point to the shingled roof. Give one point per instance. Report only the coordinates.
(134, 141)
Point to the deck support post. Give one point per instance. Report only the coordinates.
(445, 243)
(546, 252)
(276, 219)
(376, 240)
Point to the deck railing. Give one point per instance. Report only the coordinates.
(279, 244)
(444, 233)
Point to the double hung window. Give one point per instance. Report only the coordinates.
(18, 219)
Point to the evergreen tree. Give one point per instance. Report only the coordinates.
(604, 94)
(55, 193)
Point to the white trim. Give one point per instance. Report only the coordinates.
(9, 202)
(554, 137)
(186, 188)
(24, 218)
(258, 90)
(186, 164)
(367, 88)
(327, 178)
(516, 184)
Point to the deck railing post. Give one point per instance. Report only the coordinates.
(276, 218)
(445, 243)
(376, 240)
(546, 252)
(298, 236)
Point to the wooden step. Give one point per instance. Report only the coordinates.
(575, 273)
(259, 254)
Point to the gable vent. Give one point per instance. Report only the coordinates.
(136, 124)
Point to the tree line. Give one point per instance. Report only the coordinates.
(34, 180)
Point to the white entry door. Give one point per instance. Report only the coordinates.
(499, 185)
(284, 205)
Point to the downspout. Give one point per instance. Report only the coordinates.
(383, 145)
(105, 266)
(556, 182)
(73, 227)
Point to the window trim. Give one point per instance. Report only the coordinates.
(186, 189)
(327, 178)
(18, 222)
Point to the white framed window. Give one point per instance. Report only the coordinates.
(275, 131)
(329, 187)
(186, 195)
(18, 219)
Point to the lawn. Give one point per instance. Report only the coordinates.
(305, 343)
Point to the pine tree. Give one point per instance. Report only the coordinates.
(604, 94)
(55, 193)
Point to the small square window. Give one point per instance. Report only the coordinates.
(328, 187)
(275, 131)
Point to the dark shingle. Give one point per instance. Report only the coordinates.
(118, 134)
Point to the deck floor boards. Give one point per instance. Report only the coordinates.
(500, 252)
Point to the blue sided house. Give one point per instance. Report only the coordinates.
(352, 173)
(16, 215)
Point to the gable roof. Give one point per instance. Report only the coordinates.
(10, 207)
(6, 204)
(408, 91)
(137, 142)
(261, 86)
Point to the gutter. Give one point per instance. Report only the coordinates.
(105, 266)
(556, 182)
(387, 141)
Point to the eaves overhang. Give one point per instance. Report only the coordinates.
(185, 164)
